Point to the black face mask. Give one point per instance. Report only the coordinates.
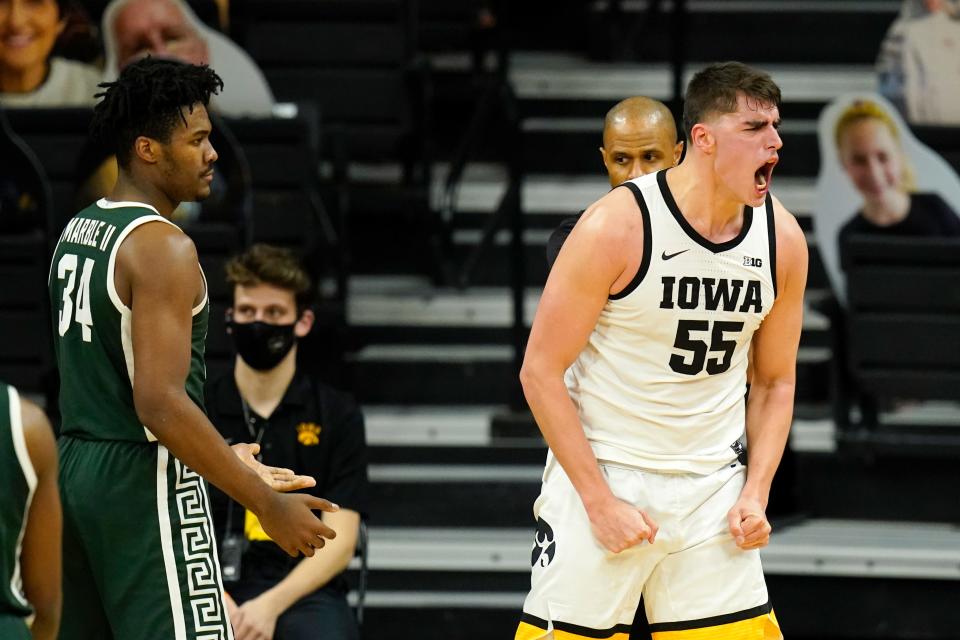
(262, 345)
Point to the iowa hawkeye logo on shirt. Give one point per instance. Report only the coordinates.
(308, 434)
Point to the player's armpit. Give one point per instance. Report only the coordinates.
(776, 342)
(592, 261)
(158, 263)
(589, 265)
(775, 346)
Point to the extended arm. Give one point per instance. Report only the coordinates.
(159, 264)
(770, 407)
(594, 260)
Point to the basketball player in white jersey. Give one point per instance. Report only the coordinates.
(635, 371)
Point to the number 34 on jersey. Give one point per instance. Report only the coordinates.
(75, 308)
(75, 296)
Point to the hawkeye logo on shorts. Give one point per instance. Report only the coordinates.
(308, 434)
(544, 545)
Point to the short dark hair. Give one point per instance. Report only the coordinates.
(277, 266)
(715, 88)
(147, 99)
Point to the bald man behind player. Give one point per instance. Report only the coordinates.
(639, 137)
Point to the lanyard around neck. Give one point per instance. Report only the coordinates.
(257, 437)
(249, 421)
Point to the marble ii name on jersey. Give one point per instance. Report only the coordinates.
(89, 233)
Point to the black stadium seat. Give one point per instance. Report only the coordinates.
(351, 58)
(355, 61)
(943, 140)
(903, 324)
(25, 355)
(283, 174)
(287, 210)
(58, 137)
(24, 320)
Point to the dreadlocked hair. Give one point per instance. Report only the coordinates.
(146, 100)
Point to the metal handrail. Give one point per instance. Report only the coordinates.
(498, 102)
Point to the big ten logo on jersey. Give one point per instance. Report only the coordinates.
(752, 262)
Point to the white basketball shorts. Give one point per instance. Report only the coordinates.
(696, 583)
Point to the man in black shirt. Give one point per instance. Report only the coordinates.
(300, 424)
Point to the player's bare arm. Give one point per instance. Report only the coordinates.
(600, 257)
(158, 277)
(770, 407)
(41, 554)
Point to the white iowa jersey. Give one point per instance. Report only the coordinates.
(660, 384)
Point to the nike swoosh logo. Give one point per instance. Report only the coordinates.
(667, 256)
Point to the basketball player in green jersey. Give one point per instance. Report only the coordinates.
(29, 521)
(130, 317)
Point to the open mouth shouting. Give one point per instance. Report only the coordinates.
(763, 176)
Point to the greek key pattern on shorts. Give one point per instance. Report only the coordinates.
(203, 589)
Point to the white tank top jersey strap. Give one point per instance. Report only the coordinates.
(660, 384)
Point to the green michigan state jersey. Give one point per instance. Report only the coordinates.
(19, 480)
(92, 327)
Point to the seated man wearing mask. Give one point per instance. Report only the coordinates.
(300, 424)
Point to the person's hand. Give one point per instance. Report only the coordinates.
(283, 480)
(748, 524)
(618, 525)
(289, 521)
(234, 614)
(259, 619)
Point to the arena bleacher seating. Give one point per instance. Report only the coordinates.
(373, 103)
(902, 330)
(27, 203)
(58, 137)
